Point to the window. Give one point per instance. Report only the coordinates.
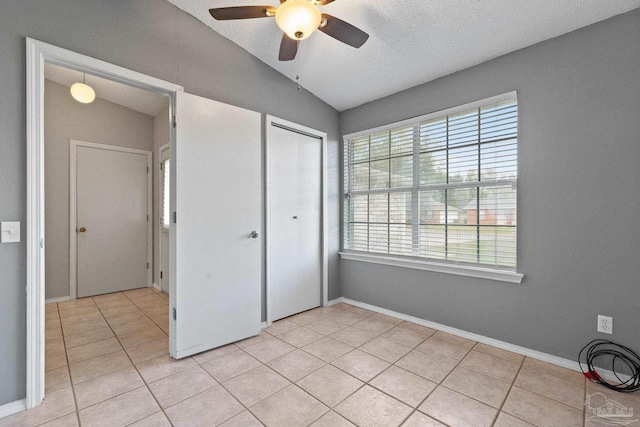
(441, 187)
(166, 206)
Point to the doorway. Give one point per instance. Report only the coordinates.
(38, 55)
(215, 257)
(296, 241)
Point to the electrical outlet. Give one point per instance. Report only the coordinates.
(605, 324)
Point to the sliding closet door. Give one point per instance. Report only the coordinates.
(217, 230)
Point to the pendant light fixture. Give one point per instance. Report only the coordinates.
(82, 92)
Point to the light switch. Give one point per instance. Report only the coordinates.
(10, 231)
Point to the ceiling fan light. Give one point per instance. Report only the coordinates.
(83, 93)
(298, 18)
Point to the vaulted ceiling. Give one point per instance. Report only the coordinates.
(411, 41)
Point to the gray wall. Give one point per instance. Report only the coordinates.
(148, 36)
(578, 195)
(100, 122)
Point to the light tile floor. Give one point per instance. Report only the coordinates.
(107, 364)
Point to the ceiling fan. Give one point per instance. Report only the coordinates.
(297, 19)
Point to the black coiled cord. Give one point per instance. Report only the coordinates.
(619, 353)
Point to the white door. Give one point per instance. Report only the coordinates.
(295, 219)
(165, 215)
(217, 274)
(112, 191)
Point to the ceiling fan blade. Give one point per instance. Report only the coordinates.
(288, 48)
(323, 2)
(242, 12)
(343, 31)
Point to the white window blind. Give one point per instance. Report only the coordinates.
(166, 206)
(441, 187)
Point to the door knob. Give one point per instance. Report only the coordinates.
(254, 235)
(82, 229)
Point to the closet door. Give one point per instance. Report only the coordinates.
(295, 221)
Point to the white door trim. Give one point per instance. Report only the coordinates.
(269, 120)
(73, 181)
(37, 53)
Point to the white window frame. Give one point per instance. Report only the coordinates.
(165, 154)
(478, 271)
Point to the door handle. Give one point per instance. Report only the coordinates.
(254, 235)
(82, 229)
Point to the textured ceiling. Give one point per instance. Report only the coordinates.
(140, 100)
(411, 41)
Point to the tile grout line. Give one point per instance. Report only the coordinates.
(73, 392)
(509, 392)
(414, 409)
(325, 363)
(125, 352)
(146, 385)
(365, 383)
(439, 384)
(109, 373)
(542, 395)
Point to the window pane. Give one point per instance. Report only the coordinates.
(402, 141)
(432, 207)
(433, 241)
(379, 174)
(379, 238)
(400, 208)
(166, 192)
(379, 146)
(360, 208)
(499, 160)
(433, 134)
(400, 227)
(360, 176)
(402, 171)
(433, 168)
(400, 239)
(463, 163)
(458, 200)
(358, 237)
(463, 128)
(379, 208)
(498, 245)
(462, 243)
(499, 122)
(360, 149)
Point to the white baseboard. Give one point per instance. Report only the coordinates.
(13, 408)
(534, 354)
(59, 299)
(156, 287)
(263, 325)
(335, 301)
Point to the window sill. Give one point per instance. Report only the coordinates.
(461, 270)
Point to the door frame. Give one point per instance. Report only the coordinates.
(37, 53)
(73, 203)
(294, 127)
